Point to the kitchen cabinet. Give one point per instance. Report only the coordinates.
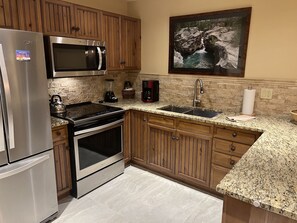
(161, 146)
(29, 15)
(127, 138)
(122, 37)
(229, 144)
(139, 137)
(180, 148)
(66, 19)
(8, 14)
(238, 211)
(62, 161)
(193, 152)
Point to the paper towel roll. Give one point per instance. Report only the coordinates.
(248, 101)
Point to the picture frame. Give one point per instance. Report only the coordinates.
(212, 43)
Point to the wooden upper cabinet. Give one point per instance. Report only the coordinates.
(130, 40)
(58, 18)
(87, 22)
(111, 36)
(29, 15)
(8, 14)
(66, 19)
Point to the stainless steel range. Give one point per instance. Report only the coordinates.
(96, 144)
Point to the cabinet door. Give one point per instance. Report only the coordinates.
(139, 137)
(29, 15)
(57, 17)
(130, 40)
(111, 36)
(62, 161)
(87, 22)
(217, 174)
(161, 148)
(8, 14)
(127, 138)
(193, 158)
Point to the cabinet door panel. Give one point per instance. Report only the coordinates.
(127, 137)
(161, 148)
(139, 137)
(87, 22)
(130, 40)
(29, 15)
(111, 36)
(8, 14)
(217, 174)
(57, 18)
(193, 158)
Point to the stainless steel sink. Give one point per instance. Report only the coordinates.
(206, 113)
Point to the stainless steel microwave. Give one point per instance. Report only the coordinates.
(68, 57)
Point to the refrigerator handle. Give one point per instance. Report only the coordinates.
(7, 100)
(11, 171)
(2, 137)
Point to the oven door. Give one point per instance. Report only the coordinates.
(98, 147)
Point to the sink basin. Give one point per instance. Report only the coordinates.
(174, 108)
(206, 113)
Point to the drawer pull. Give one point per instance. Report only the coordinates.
(173, 138)
(232, 148)
(234, 134)
(58, 133)
(232, 162)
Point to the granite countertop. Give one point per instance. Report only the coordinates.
(56, 122)
(266, 175)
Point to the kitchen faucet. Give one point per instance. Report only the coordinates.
(197, 100)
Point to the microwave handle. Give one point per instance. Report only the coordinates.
(100, 58)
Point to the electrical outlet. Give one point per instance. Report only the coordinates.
(266, 93)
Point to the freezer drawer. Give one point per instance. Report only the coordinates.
(28, 190)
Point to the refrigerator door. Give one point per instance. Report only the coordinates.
(3, 157)
(26, 108)
(28, 191)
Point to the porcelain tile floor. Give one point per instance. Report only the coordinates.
(138, 196)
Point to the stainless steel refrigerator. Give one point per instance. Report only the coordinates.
(27, 173)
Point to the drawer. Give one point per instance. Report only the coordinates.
(229, 147)
(224, 160)
(161, 120)
(59, 133)
(217, 174)
(196, 128)
(235, 135)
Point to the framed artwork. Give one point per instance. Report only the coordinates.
(213, 43)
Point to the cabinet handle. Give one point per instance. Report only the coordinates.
(73, 28)
(144, 119)
(58, 133)
(173, 138)
(232, 162)
(232, 148)
(77, 29)
(234, 134)
(176, 138)
(122, 62)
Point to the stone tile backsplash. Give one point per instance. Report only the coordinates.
(224, 93)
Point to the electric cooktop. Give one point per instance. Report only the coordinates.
(87, 111)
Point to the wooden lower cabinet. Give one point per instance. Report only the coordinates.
(62, 161)
(161, 148)
(236, 211)
(138, 137)
(127, 138)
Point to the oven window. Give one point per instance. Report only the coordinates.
(75, 57)
(100, 146)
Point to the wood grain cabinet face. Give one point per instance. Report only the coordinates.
(8, 14)
(139, 137)
(229, 145)
(62, 161)
(66, 19)
(58, 18)
(127, 137)
(122, 37)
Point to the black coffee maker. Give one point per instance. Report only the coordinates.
(109, 94)
(150, 91)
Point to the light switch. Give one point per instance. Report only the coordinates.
(266, 93)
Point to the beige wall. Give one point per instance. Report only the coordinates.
(272, 41)
(116, 6)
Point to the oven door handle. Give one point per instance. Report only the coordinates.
(101, 127)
